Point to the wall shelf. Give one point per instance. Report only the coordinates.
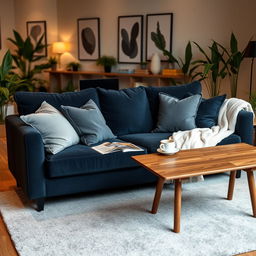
(59, 79)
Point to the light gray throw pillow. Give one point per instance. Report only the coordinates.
(57, 133)
(88, 122)
(177, 115)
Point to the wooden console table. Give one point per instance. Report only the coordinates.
(59, 79)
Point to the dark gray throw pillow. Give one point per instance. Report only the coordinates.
(88, 122)
(177, 115)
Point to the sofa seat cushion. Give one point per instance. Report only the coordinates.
(150, 141)
(29, 102)
(231, 139)
(81, 159)
(126, 111)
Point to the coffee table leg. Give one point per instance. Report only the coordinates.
(159, 188)
(231, 185)
(252, 188)
(177, 205)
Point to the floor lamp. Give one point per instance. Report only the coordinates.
(250, 52)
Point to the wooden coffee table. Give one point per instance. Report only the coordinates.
(203, 161)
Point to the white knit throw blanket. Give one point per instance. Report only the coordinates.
(208, 137)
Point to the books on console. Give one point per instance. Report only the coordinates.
(110, 147)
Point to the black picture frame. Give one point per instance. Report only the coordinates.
(35, 29)
(130, 51)
(166, 26)
(88, 37)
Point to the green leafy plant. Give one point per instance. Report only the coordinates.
(233, 63)
(210, 70)
(9, 84)
(73, 66)
(25, 57)
(160, 42)
(52, 60)
(107, 61)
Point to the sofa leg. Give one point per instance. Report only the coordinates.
(238, 174)
(40, 204)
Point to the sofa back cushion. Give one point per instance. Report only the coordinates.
(29, 102)
(178, 92)
(126, 111)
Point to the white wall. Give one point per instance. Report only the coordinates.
(7, 24)
(195, 20)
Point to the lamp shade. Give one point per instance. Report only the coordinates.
(58, 47)
(250, 51)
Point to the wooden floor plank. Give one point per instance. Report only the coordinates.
(7, 182)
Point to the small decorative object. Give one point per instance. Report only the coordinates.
(107, 62)
(59, 48)
(165, 21)
(36, 30)
(250, 52)
(155, 65)
(74, 66)
(143, 65)
(88, 38)
(130, 32)
(53, 62)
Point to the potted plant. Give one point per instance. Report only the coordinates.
(107, 62)
(25, 57)
(160, 42)
(9, 84)
(210, 69)
(53, 63)
(233, 63)
(74, 66)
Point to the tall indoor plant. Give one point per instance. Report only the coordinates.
(233, 62)
(25, 58)
(9, 84)
(210, 70)
(159, 40)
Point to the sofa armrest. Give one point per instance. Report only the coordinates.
(244, 126)
(26, 156)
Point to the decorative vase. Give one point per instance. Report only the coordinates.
(155, 65)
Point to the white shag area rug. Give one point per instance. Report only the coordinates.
(119, 223)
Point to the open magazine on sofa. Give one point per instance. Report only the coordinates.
(110, 147)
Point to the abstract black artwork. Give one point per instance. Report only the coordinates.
(130, 32)
(165, 21)
(88, 30)
(36, 30)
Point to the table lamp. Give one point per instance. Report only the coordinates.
(250, 52)
(59, 48)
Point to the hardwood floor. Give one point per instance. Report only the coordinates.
(7, 182)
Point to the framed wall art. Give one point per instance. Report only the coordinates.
(88, 31)
(35, 30)
(130, 33)
(165, 21)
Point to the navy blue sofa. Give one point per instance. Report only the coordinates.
(130, 113)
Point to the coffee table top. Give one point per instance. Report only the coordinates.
(201, 161)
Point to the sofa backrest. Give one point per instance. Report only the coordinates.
(29, 102)
(126, 111)
(179, 91)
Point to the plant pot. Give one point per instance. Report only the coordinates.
(54, 67)
(107, 69)
(75, 68)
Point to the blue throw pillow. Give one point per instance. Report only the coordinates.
(178, 92)
(88, 122)
(177, 115)
(126, 111)
(29, 102)
(208, 111)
